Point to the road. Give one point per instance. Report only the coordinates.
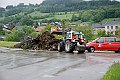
(18, 64)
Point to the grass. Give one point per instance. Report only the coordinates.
(109, 19)
(60, 15)
(38, 14)
(7, 44)
(113, 73)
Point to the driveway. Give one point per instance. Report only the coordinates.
(18, 64)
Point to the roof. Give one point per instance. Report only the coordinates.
(40, 28)
(112, 23)
(9, 26)
(84, 23)
(97, 25)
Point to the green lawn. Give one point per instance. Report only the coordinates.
(109, 19)
(7, 44)
(38, 14)
(113, 73)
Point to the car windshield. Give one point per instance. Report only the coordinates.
(95, 40)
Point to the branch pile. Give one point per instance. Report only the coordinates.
(46, 41)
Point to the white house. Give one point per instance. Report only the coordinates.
(112, 26)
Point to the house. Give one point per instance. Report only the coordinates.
(109, 27)
(84, 23)
(8, 27)
(97, 27)
(112, 27)
(2, 37)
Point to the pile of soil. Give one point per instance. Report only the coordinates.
(46, 41)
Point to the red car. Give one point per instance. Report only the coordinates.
(104, 43)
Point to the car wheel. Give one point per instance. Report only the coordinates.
(91, 49)
(118, 51)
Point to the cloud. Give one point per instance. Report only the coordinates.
(4, 3)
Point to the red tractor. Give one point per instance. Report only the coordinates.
(73, 41)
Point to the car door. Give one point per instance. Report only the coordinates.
(109, 41)
(101, 44)
(115, 44)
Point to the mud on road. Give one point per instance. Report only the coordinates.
(17, 64)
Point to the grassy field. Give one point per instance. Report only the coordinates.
(113, 73)
(60, 15)
(7, 44)
(109, 19)
(38, 14)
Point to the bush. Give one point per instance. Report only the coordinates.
(34, 34)
(17, 35)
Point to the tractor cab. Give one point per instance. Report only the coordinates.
(75, 37)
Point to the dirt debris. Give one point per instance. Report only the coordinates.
(46, 41)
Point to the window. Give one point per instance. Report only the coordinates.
(68, 35)
(117, 39)
(111, 27)
(110, 39)
(116, 27)
(101, 40)
(107, 27)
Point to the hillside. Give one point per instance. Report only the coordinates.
(75, 5)
(60, 10)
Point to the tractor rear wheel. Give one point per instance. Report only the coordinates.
(69, 47)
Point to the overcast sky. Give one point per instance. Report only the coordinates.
(4, 3)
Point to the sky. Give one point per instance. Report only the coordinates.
(4, 3)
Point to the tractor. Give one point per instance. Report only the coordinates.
(73, 41)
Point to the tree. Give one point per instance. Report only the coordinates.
(74, 18)
(87, 16)
(1, 30)
(18, 35)
(9, 7)
(27, 21)
(27, 30)
(2, 9)
(101, 33)
(118, 32)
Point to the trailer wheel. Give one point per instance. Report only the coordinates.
(69, 47)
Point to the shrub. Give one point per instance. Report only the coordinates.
(15, 35)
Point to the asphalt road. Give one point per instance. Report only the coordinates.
(17, 64)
